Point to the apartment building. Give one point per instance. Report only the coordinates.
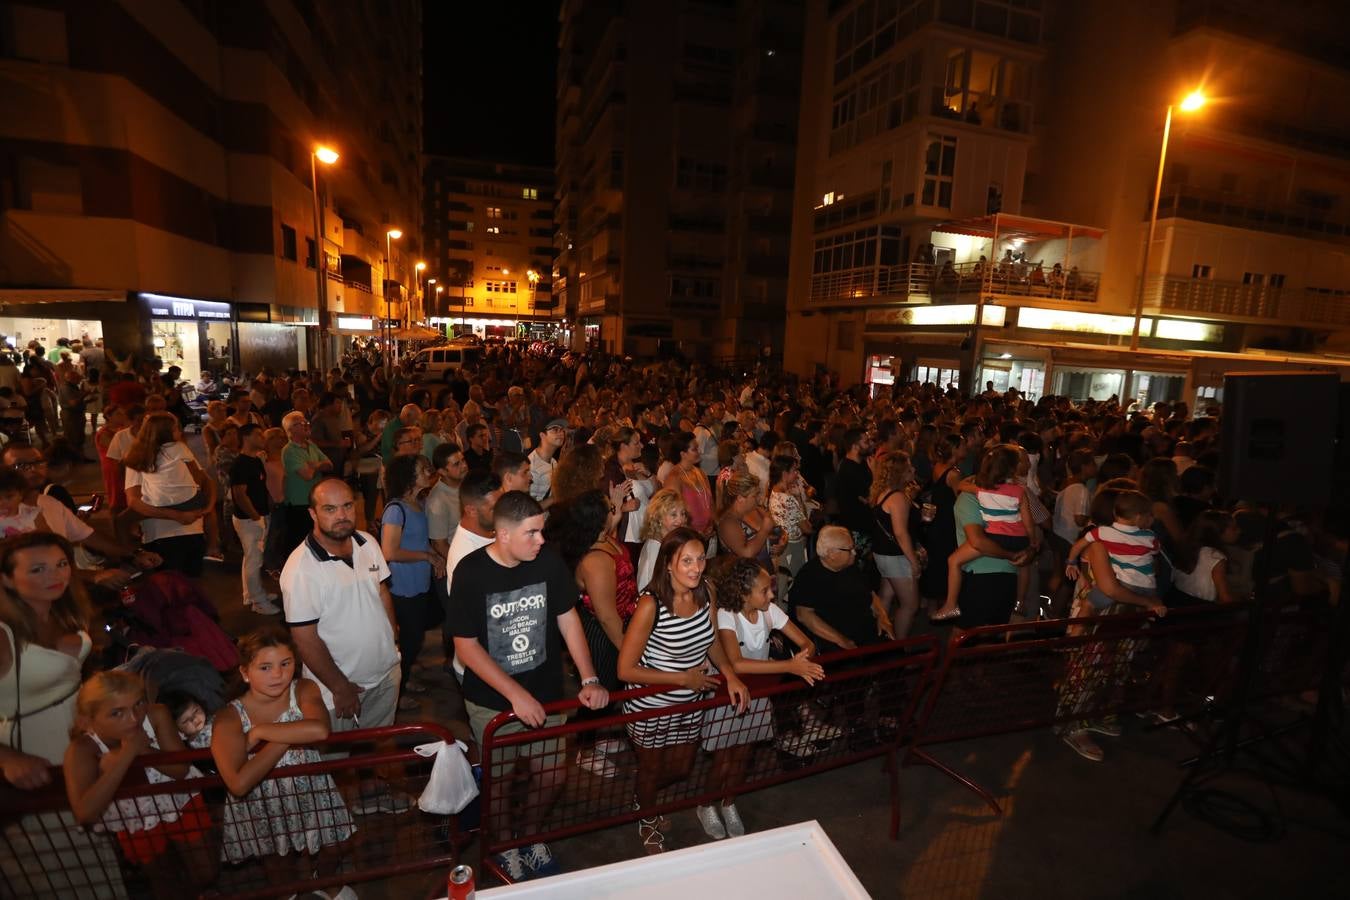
(675, 154)
(975, 181)
(158, 177)
(489, 242)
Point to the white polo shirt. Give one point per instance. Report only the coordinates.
(342, 598)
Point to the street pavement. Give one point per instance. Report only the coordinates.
(1070, 828)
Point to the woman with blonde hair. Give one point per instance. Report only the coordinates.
(665, 512)
(744, 528)
(167, 487)
(893, 548)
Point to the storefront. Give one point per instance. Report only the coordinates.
(195, 335)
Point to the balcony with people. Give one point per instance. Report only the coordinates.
(1001, 258)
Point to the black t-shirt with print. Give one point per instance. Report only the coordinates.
(513, 613)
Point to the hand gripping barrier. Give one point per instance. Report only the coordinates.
(535, 788)
(1007, 678)
(208, 845)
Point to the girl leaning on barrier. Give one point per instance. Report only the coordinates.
(746, 617)
(669, 642)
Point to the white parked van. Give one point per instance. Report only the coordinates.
(441, 362)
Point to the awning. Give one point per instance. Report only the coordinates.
(417, 333)
(1018, 227)
(60, 295)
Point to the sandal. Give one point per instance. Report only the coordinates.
(944, 616)
(653, 841)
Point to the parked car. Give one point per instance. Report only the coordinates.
(442, 361)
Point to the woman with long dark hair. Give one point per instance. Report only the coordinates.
(689, 480)
(406, 546)
(669, 642)
(939, 535)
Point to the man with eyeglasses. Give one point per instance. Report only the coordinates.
(833, 599)
(305, 465)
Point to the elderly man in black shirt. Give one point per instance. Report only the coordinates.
(832, 598)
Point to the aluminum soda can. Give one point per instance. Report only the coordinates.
(460, 884)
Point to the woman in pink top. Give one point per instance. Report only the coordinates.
(689, 480)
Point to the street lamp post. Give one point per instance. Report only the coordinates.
(533, 277)
(327, 156)
(390, 236)
(1190, 103)
(421, 301)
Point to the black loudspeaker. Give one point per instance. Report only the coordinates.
(1279, 437)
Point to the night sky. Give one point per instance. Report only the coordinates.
(490, 69)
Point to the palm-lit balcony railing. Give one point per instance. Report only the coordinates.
(962, 282)
(1201, 297)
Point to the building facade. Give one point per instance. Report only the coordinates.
(675, 154)
(489, 241)
(975, 182)
(158, 177)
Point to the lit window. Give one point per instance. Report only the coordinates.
(529, 193)
(828, 199)
(494, 212)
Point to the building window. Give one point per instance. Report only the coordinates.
(499, 287)
(494, 229)
(529, 193)
(493, 212)
(288, 242)
(698, 175)
(1201, 271)
(309, 253)
(939, 169)
(1255, 278)
(1275, 279)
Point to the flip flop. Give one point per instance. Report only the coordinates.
(943, 617)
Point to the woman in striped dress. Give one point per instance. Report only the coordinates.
(668, 642)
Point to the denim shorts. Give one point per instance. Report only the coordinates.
(893, 566)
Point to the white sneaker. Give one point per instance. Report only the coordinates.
(595, 762)
(712, 825)
(730, 815)
(610, 745)
(266, 608)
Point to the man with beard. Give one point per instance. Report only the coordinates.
(335, 591)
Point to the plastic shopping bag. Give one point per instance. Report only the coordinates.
(451, 786)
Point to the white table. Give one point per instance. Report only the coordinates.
(793, 861)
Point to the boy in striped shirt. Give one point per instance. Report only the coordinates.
(1132, 548)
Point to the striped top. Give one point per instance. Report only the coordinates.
(1131, 551)
(1001, 509)
(675, 645)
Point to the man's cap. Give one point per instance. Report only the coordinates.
(556, 423)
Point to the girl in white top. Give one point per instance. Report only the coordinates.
(1203, 572)
(746, 617)
(167, 486)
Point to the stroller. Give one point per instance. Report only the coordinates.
(169, 610)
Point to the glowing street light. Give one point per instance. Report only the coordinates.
(327, 156)
(390, 236)
(1190, 103)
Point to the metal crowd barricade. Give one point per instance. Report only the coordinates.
(862, 709)
(376, 778)
(1066, 673)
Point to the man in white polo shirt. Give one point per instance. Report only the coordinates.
(341, 614)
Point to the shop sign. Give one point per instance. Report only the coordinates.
(945, 314)
(164, 307)
(356, 323)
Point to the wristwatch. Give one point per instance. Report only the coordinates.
(587, 682)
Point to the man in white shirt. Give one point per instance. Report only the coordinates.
(478, 494)
(543, 460)
(339, 610)
(706, 434)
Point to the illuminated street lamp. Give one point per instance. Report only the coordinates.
(533, 277)
(327, 156)
(418, 269)
(1190, 103)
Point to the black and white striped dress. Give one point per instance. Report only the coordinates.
(674, 645)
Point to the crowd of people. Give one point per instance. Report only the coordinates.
(661, 524)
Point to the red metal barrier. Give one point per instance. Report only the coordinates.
(861, 710)
(375, 781)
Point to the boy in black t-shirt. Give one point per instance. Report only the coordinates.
(511, 607)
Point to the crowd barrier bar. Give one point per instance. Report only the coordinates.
(93, 862)
(997, 679)
(876, 688)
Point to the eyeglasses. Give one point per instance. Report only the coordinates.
(32, 464)
(849, 549)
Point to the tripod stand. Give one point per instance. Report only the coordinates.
(1219, 755)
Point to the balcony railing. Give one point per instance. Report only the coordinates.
(1225, 209)
(963, 282)
(1250, 302)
